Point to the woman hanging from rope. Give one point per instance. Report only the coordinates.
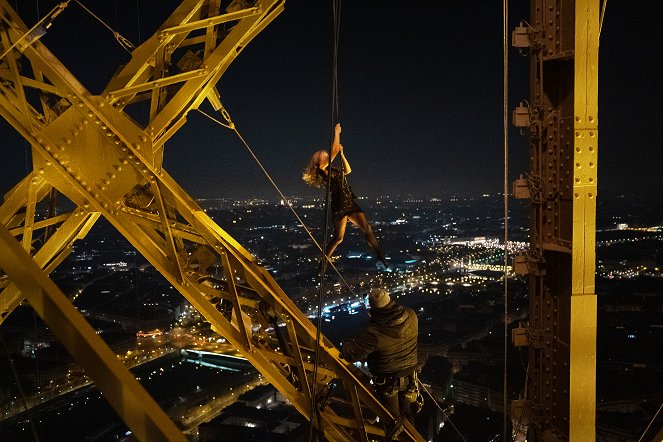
(343, 204)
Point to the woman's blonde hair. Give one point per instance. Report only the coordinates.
(311, 176)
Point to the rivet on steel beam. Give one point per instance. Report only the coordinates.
(143, 138)
(96, 196)
(69, 169)
(62, 147)
(86, 205)
(48, 148)
(90, 114)
(112, 175)
(124, 161)
(56, 156)
(117, 167)
(41, 170)
(66, 140)
(136, 146)
(88, 188)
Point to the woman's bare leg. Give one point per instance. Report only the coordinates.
(359, 219)
(339, 234)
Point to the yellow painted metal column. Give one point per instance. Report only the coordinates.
(582, 388)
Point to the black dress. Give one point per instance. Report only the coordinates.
(342, 198)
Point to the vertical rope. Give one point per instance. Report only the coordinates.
(140, 39)
(505, 25)
(336, 7)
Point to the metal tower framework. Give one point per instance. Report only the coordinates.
(91, 149)
(562, 37)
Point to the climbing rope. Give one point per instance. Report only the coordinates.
(439, 407)
(40, 27)
(336, 9)
(651, 422)
(126, 44)
(505, 90)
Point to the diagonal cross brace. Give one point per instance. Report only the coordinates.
(138, 197)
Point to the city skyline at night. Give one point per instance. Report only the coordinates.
(183, 247)
(420, 98)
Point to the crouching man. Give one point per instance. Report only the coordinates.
(389, 345)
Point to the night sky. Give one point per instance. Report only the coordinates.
(420, 94)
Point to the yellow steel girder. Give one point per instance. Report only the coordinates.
(582, 358)
(109, 165)
(121, 389)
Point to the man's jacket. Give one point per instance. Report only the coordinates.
(388, 343)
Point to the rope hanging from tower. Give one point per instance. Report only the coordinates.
(314, 421)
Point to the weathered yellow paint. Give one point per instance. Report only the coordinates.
(582, 388)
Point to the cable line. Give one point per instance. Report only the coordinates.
(48, 19)
(441, 409)
(605, 4)
(505, 90)
(126, 44)
(651, 422)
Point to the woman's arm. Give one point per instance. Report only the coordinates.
(336, 144)
(346, 165)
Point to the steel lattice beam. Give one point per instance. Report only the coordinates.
(563, 122)
(72, 130)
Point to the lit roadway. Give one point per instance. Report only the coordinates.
(194, 336)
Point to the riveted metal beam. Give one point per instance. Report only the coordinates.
(122, 391)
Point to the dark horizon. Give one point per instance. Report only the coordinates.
(420, 98)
